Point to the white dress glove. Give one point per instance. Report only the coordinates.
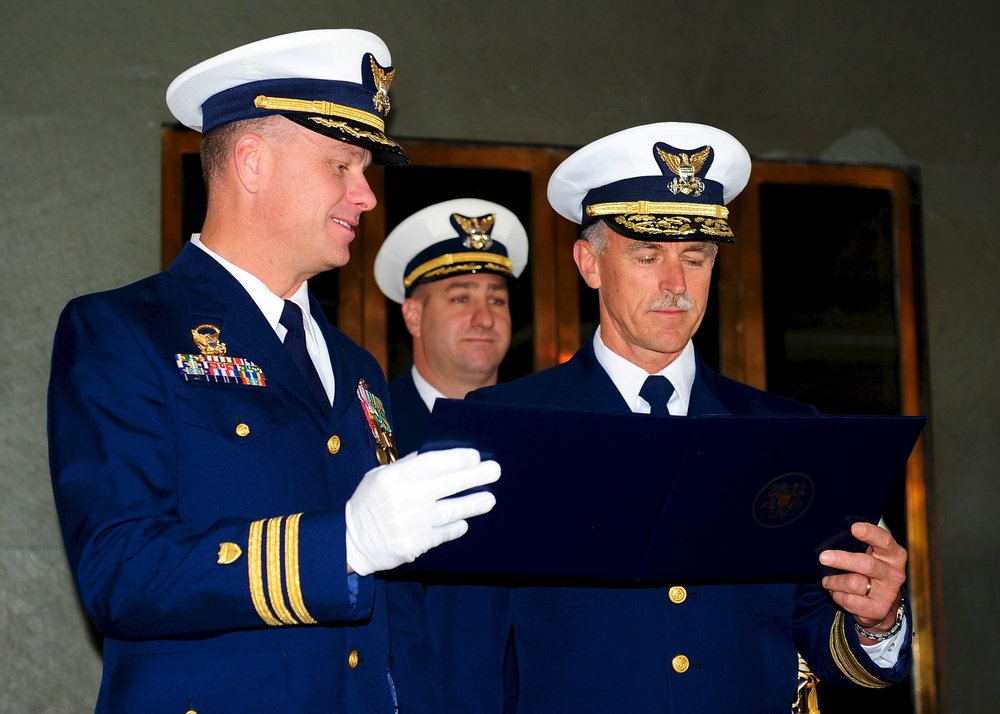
(397, 512)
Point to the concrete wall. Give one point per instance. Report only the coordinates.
(911, 83)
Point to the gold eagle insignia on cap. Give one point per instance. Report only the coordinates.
(383, 80)
(477, 230)
(686, 169)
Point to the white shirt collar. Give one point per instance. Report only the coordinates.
(628, 378)
(270, 305)
(427, 391)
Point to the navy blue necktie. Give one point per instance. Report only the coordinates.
(295, 343)
(657, 390)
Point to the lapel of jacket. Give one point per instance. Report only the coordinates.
(705, 398)
(406, 398)
(585, 385)
(346, 370)
(215, 297)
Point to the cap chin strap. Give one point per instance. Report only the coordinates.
(460, 262)
(319, 106)
(629, 208)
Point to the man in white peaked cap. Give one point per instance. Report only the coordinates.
(222, 458)
(449, 266)
(651, 201)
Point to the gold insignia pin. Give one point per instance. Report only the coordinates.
(383, 80)
(385, 448)
(686, 168)
(477, 230)
(229, 553)
(207, 339)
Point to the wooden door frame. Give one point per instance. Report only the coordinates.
(742, 322)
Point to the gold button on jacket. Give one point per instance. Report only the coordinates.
(353, 659)
(677, 594)
(333, 444)
(680, 664)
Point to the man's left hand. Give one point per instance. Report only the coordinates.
(871, 586)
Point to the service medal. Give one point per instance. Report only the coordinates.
(219, 368)
(385, 446)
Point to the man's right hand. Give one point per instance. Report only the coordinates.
(401, 510)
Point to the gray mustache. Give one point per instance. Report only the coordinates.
(672, 302)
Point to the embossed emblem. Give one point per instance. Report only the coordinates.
(383, 80)
(685, 169)
(476, 230)
(206, 337)
(783, 500)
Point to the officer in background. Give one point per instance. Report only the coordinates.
(651, 203)
(449, 266)
(222, 462)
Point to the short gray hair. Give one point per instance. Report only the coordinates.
(596, 235)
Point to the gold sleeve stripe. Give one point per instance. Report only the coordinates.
(274, 589)
(845, 659)
(254, 554)
(628, 208)
(292, 581)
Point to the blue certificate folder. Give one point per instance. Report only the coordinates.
(632, 497)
